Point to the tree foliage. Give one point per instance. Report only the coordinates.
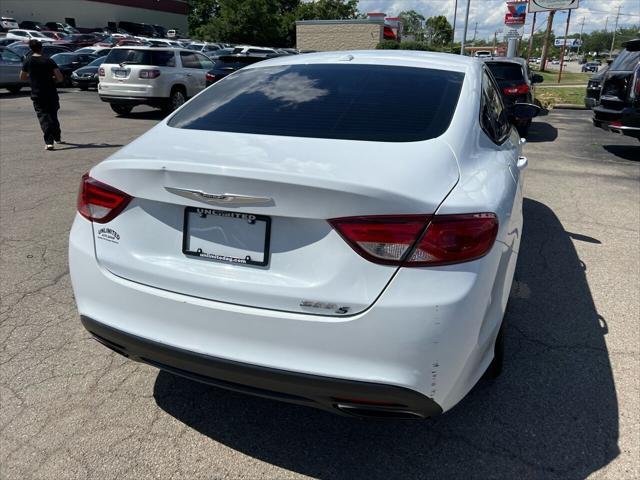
(438, 30)
(412, 23)
(327, 10)
(200, 12)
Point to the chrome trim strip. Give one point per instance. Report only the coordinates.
(228, 199)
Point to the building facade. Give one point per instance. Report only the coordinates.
(329, 35)
(100, 13)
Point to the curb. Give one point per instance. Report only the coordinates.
(568, 106)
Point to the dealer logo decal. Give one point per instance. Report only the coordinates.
(109, 235)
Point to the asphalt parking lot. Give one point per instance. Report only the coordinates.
(567, 405)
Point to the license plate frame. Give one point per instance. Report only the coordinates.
(240, 216)
(120, 73)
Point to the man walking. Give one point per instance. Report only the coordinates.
(43, 73)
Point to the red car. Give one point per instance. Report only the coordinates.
(55, 35)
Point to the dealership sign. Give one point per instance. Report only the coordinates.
(571, 42)
(517, 14)
(546, 5)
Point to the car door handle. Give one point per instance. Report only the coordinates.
(188, 74)
(522, 162)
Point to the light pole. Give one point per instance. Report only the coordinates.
(455, 14)
(466, 25)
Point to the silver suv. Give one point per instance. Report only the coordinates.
(160, 77)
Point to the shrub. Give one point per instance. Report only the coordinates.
(394, 45)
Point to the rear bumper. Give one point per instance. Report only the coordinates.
(122, 100)
(623, 122)
(312, 390)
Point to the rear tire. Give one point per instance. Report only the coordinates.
(121, 109)
(495, 367)
(15, 89)
(176, 99)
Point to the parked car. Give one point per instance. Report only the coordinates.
(8, 23)
(162, 78)
(80, 40)
(61, 27)
(203, 47)
(141, 29)
(483, 54)
(247, 49)
(70, 61)
(55, 35)
(173, 33)
(161, 42)
(619, 108)
(228, 64)
(22, 49)
(160, 30)
(19, 34)
(516, 81)
(31, 25)
(5, 42)
(10, 66)
(97, 51)
(590, 67)
(113, 41)
(87, 77)
(260, 241)
(592, 97)
(215, 54)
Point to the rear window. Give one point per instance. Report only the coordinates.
(626, 61)
(504, 71)
(156, 58)
(227, 61)
(350, 102)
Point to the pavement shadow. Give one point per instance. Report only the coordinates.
(74, 146)
(552, 414)
(542, 132)
(626, 152)
(146, 115)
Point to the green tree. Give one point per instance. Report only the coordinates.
(412, 23)
(438, 30)
(327, 10)
(200, 12)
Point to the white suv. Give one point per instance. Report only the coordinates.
(160, 77)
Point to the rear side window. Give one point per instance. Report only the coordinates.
(626, 61)
(156, 58)
(493, 116)
(506, 71)
(350, 102)
(189, 60)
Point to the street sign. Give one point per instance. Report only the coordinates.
(546, 5)
(512, 33)
(571, 42)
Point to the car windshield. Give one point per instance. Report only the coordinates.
(131, 56)
(97, 62)
(354, 102)
(20, 49)
(626, 61)
(38, 34)
(193, 46)
(506, 71)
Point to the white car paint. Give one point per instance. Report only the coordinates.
(430, 330)
(20, 34)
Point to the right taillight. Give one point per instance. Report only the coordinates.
(149, 74)
(402, 239)
(516, 90)
(101, 72)
(100, 202)
(210, 77)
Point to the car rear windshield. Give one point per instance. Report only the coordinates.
(626, 61)
(505, 71)
(236, 61)
(156, 58)
(350, 102)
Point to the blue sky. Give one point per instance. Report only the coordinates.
(490, 14)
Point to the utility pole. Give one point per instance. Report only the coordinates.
(606, 22)
(614, 31)
(533, 26)
(545, 44)
(455, 15)
(475, 32)
(564, 46)
(580, 44)
(466, 26)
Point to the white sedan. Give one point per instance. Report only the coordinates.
(19, 34)
(338, 230)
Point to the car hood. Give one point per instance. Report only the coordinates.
(87, 70)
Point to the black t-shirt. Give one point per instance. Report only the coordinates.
(40, 69)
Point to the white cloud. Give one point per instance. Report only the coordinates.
(489, 14)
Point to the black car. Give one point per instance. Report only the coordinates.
(31, 25)
(619, 109)
(592, 97)
(23, 49)
(228, 64)
(68, 62)
(516, 85)
(86, 77)
(590, 67)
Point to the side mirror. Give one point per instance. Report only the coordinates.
(525, 110)
(537, 78)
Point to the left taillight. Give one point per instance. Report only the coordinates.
(101, 71)
(100, 202)
(149, 74)
(516, 89)
(402, 240)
